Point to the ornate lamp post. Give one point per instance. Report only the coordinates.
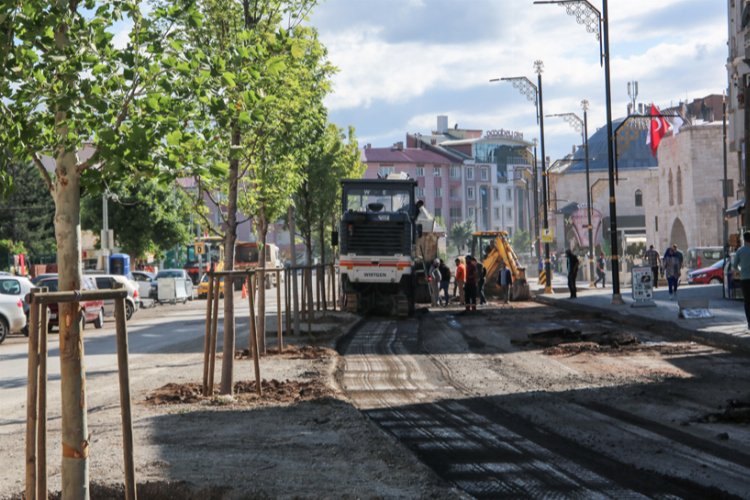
(536, 200)
(598, 23)
(582, 126)
(534, 93)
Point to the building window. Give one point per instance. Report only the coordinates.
(384, 171)
(495, 194)
(497, 213)
(671, 189)
(509, 194)
(419, 192)
(638, 198)
(656, 223)
(469, 173)
(455, 172)
(484, 173)
(420, 171)
(470, 192)
(510, 231)
(455, 212)
(509, 213)
(454, 193)
(438, 212)
(436, 171)
(472, 213)
(679, 186)
(438, 192)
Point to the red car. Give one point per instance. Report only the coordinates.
(93, 310)
(713, 274)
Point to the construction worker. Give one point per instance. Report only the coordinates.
(460, 281)
(472, 278)
(504, 280)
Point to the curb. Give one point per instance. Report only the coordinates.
(659, 326)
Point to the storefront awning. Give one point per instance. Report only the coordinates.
(736, 208)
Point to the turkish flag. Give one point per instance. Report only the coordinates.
(658, 129)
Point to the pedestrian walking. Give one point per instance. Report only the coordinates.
(470, 287)
(741, 261)
(672, 265)
(482, 277)
(573, 264)
(460, 281)
(434, 281)
(504, 281)
(653, 260)
(445, 281)
(601, 270)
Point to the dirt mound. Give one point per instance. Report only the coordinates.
(292, 351)
(736, 411)
(273, 391)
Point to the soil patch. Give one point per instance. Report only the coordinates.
(245, 392)
(154, 490)
(292, 351)
(736, 411)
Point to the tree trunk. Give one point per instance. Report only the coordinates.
(307, 305)
(322, 274)
(262, 230)
(293, 255)
(75, 445)
(227, 362)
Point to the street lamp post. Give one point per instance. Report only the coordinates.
(536, 201)
(598, 23)
(582, 126)
(534, 93)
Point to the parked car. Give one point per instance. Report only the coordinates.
(203, 287)
(12, 318)
(147, 285)
(92, 310)
(36, 279)
(700, 257)
(19, 287)
(183, 286)
(107, 282)
(713, 274)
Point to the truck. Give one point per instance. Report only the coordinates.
(387, 242)
(494, 247)
(247, 256)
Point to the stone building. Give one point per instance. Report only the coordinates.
(684, 199)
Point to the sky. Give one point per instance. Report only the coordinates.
(403, 62)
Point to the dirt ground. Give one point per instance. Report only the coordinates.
(301, 439)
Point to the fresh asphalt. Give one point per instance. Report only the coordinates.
(727, 329)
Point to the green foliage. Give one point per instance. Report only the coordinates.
(522, 241)
(635, 249)
(27, 213)
(460, 234)
(146, 217)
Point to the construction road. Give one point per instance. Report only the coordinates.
(500, 416)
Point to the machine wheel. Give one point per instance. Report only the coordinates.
(129, 309)
(351, 302)
(714, 281)
(4, 329)
(99, 321)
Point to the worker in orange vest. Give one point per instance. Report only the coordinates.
(460, 280)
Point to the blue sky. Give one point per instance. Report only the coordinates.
(403, 62)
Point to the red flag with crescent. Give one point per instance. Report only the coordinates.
(658, 129)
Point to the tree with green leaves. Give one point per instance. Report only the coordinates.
(147, 217)
(95, 111)
(460, 234)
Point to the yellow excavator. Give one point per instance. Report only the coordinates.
(493, 247)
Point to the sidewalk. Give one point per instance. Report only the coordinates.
(726, 330)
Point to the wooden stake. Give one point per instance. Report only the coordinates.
(41, 453)
(207, 339)
(31, 397)
(287, 315)
(278, 311)
(125, 409)
(214, 335)
(254, 335)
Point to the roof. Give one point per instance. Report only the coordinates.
(632, 151)
(405, 155)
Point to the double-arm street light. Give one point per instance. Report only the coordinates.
(582, 126)
(598, 23)
(534, 93)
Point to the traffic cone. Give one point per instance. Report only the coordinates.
(244, 290)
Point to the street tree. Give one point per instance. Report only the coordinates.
(150, 217)
(460, 234)
(262, 77)
(95, 110)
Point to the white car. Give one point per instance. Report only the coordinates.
(12, 318)
(19, 287)
(146, 286)
(107, 282)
